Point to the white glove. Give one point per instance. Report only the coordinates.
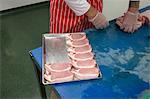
(130, 21)
(119, 22)
(99, 21)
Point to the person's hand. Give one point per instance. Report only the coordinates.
(99, 21)
(119, 22)
(97, 18)
(130, 22)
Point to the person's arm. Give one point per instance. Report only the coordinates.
(130, 19)
(134, 6)
(82, 7)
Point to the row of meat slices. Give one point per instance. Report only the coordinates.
(65, 67)
(55, 75)
(82, 66)
(80, 53)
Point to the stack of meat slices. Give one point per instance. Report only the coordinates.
(58, 72)
(82, 65)
(80, 53)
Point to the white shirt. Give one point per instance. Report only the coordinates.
(80, 7)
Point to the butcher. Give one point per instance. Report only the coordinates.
(68, 16)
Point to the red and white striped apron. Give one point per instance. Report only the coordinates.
(64, 20)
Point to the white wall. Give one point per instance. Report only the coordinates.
(115, 8)
(8, 4)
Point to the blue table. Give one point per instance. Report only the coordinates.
(124, 60)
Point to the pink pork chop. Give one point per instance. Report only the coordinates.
(80, 50)
(146, 16)
(84, 64)
(79, 43)
(86, 73)
(57, 77)
(81, 57)
(58, 67)
(47, 72)
(76, 36)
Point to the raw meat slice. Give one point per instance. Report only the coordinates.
(47, 72)
(75, 78)
(146, 15)
(59, 77)
(81, 57)
(76, 36)
(58, 67)
(86, 73)
(79, 43)
(80, 50)
(84, 64)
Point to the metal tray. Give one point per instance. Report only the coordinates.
(55, 50)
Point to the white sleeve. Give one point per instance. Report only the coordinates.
(79, 7)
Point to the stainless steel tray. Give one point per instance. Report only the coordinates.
(55, 51)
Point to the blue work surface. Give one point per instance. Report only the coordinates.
(124, 60)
